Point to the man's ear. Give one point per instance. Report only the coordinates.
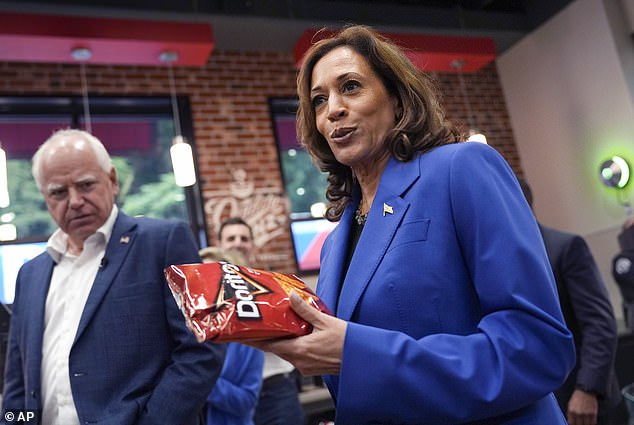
(113, 179)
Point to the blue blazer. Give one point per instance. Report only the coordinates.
(451, 301)
(133, 361)
(233, 399)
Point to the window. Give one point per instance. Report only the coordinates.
(305, 186)
(12, 257)
(137, 132)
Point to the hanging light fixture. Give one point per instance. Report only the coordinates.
(474, 133)
(81, 55)
(180, 151)
(4, 182)
(8, 231)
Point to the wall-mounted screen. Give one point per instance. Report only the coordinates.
(308, 238)
(12, 257)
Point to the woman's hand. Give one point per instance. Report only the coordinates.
(316, 353)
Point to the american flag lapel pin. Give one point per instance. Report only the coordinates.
(124, 239)
(387, 209)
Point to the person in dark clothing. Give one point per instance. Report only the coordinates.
(591, 389)
(623, 271)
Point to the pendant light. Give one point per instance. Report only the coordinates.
(81, 55)
(474, 133)
(4, 182)
(180, 151)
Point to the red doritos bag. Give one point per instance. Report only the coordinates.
(225, 302)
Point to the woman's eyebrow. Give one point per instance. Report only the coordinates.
(339, 78)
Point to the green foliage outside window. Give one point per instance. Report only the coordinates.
(304, 183)
(157, 197)
(27, 209)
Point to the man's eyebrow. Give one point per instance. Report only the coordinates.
(54, 186)
(85, 178)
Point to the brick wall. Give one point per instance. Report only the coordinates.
(236, 149)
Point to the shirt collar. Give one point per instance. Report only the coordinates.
(58, 242)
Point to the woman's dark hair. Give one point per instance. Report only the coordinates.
(421, 126)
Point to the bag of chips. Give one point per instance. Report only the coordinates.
(225, 302)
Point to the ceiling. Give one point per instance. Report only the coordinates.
(278, 24)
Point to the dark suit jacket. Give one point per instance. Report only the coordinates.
(133, 361)
(589, 315)
(452, 306)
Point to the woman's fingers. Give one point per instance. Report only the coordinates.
(303, 309)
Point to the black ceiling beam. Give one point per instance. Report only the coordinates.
(381, 13)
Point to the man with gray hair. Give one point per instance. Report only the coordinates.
(96, 336)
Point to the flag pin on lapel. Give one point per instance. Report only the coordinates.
(387, 209)
(124, 239)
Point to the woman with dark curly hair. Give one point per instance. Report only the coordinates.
(446, 307)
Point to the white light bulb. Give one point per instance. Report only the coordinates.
(8, 232)
(318, 209)
(183, 162)
(477, 137)
(4, 184)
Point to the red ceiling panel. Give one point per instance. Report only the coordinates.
(21, 139)
(47, 38)
(428, 52)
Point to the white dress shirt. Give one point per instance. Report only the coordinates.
(71, 283)
(274, 365)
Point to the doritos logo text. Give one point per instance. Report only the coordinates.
(243, 289)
